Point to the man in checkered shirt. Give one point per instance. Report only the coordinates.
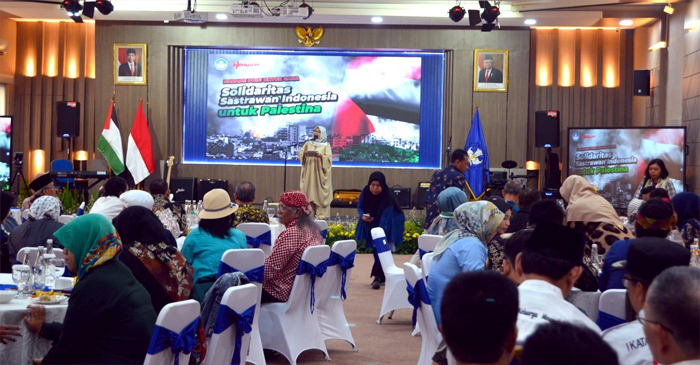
(283, 262)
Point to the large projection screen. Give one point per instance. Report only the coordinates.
(613, 160)
(252, 106)
(5, 152)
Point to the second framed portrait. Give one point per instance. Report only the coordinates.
(491, 70)
(130, 64)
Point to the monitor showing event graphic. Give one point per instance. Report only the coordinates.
(5, 152)
(614, 160)
(260, 106)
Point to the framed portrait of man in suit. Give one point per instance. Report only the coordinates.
(491, 70)
(130, 64)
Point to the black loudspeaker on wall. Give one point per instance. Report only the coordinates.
(67, 119)
(183, 188)
(207, 185)
(403, 196)
(422, 194)
(642, 82)
(547, 128)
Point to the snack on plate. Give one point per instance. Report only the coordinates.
(46, 298)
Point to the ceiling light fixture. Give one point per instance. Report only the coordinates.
(73, 9)
(377, 19)
(668, 9)
(221, 16)
(693, 26)
(456, 13)
(626, 22)
(530, 22)
(490, 15)
(658, 46)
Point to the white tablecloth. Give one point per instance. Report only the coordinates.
(30, 345)
(276, 229)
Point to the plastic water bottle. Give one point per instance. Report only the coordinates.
(40, 270)
(695, 254)
(595, 258)
(81, 210)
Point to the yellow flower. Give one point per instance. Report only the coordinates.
(415, 235)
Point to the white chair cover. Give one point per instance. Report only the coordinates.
(65, 218)
(395, 288)
(430, 336)
(290, 328)
(257, 231)
(174, 317)
(222, 345)
(612, 303)
(25, 216)
(426, 263)
(248, 261)
(323, 227)
(32, 252)
(329, 306)
(427, 243)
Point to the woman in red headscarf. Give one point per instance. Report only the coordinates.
(282, 263)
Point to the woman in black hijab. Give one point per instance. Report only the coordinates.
(378, 208)
(152, 258)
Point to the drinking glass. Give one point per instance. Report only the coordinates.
(58, 268)
(20, 276)
(271, 212)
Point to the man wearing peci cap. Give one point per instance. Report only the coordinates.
(282, 263)
(489, 74)
(41, 185)
(550, 264)
(647, 257)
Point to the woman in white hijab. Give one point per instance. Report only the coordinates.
(42, 223)
(316, 160)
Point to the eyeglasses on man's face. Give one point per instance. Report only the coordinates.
(641, 320)
(626, 280)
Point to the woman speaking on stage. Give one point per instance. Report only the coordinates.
(316, 160)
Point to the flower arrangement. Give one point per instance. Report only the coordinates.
(413, 227)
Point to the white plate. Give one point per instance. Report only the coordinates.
(57, 301)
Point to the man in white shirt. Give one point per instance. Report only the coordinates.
(109, 205)
(647, 257)
(672, 316)
(550, 264)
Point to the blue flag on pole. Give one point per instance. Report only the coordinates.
(477, 175)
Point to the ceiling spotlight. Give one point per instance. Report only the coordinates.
(105, 6)
(73, 9)
(668, 9)
(530, 22)
(221, 16)
(305, 5)
(456, 13)
(377, 19)
(626, 22)
(490, 13)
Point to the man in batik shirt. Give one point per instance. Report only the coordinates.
(452, 175)
(245, 196)
(160, 191)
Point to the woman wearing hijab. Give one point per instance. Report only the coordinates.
(42, 223)
(378, 208)
(110, 318)
(591, 214)
(495, 245)
(448, 200)
(316, 160)
(464, 249)
(155, 263)
(687, 207)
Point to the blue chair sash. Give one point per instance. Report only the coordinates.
(324, 233)
(254, 275)
(313, 271)
(381, 245)
(422, 252)
(606, 321)
(416, 295)
(345, 262)
(263, 239)
(244, 324)
(183, 342)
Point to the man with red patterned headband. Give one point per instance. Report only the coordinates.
(282, 263)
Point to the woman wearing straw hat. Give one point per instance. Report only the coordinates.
(205, 245)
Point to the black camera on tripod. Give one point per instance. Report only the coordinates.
(19, 157)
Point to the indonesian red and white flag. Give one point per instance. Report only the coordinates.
(139, 152)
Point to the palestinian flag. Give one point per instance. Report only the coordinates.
(111, 142)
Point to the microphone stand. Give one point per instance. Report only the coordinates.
(286, 152)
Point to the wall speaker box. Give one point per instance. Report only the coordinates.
(183, 188)
(642, 82)
(403, 196)
(67, 119)
(422, 194)
(207, 185)
(547, 128)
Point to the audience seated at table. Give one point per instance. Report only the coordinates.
(526, 198)
(109, 204)
(687, 207)
(206, 244)
(559, 342)
(149, 251)
(110, 318)
(464, 249)
(448, 200)
(546, 211)
(549, 264)
(6, 202)
(647, 257)
(161, 201)
(479, 312)
(244, 197)
(137, 198)
(671, 316)
(594, 216)
(511, 194)
(42, 223)
(511, 248)
(282, 263)
(41, 185)
(655, 219)
(495, 245)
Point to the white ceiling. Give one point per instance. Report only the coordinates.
(570, 13)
